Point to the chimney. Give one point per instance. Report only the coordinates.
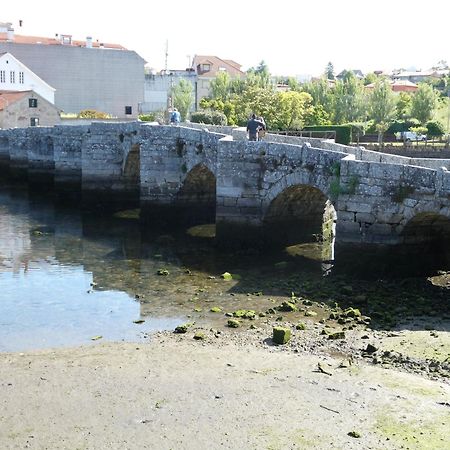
(10, 34)
(88, 42)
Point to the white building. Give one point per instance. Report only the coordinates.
(15, 76)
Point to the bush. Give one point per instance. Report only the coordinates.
(92, 114)
(398, 126)
(343, 132)
(209, 117)
(149, 117)
(435, 128)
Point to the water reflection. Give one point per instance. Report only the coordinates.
(66, 277)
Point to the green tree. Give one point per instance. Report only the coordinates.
(261, 74)
(382, 107)
(294, 108)
(423, 103)
(183, 97)
(329, 71)
(349, 100)
(321, 93)
(221, 86)
(370, 78)
(403, 105)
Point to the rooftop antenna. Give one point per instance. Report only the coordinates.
(167, 55)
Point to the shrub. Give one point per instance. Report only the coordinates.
(92, 114)
(343, 132)
(435, 128)
(398, 126)
(209, 117)
(149, 117)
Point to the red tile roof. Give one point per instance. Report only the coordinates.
(19, 39)
(8, 97)
(232, 67)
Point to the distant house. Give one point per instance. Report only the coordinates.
(419, 76)
(207, 68)
(88, 74)
(26, 109)
(15, 76)
(358, 74)
(398, 86)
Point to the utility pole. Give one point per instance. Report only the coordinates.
(167, 55)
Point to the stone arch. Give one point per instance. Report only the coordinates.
(300, 213)
(197, 194)
(132, 164)
(300, 177)
(431, 232)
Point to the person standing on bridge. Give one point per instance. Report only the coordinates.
(253, 126)
(175, 117)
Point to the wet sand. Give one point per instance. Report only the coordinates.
(230, 391)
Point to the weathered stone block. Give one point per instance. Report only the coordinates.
(281, 335)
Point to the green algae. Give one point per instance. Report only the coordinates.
(422, 433)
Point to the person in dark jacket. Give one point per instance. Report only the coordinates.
(253, 126)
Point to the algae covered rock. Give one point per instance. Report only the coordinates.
(337, 335)
(181, 329)
(227, 276)
(300, 326)
(287, 306)
(281, 335)
(199, 336)
(216, 309)
(163, 272)
(245, 313)
(233, 323)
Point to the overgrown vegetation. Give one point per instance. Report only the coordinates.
(93, 114)
(365, 105)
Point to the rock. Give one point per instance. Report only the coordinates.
(199, 336)
(310, 313)
(287, 306)
(281, 335)
(354, 434)
(216, 309)
(227, 276)
(337, 335)
(233, 323)
(370, 348)
(163, 272)
(300, 326)
(182, 328)
(352, 312)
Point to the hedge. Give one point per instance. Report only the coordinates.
(209, 117)
(343, 132)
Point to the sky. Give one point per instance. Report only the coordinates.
(293, 37)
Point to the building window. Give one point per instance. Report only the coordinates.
(206, 67)
(12, 76)
(128, 110)
(21, 78)
(34, 121)
(2, 76)
(32, 102)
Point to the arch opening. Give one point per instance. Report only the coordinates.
(197, 195)
(429, 234)
(302, 214)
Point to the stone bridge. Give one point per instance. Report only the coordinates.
(278, 190)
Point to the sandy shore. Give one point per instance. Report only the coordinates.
(175, 392)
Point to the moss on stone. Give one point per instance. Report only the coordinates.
(281, 335)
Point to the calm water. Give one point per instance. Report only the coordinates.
(67, 277)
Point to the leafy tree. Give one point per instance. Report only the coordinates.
(423, 103)
(403, 106)
(321, 93)
(261, 74)
(293, 110)
(329, 71)
(370, 78)
(183, 97)
(382, 107)
(220, 86)
(349, 100)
